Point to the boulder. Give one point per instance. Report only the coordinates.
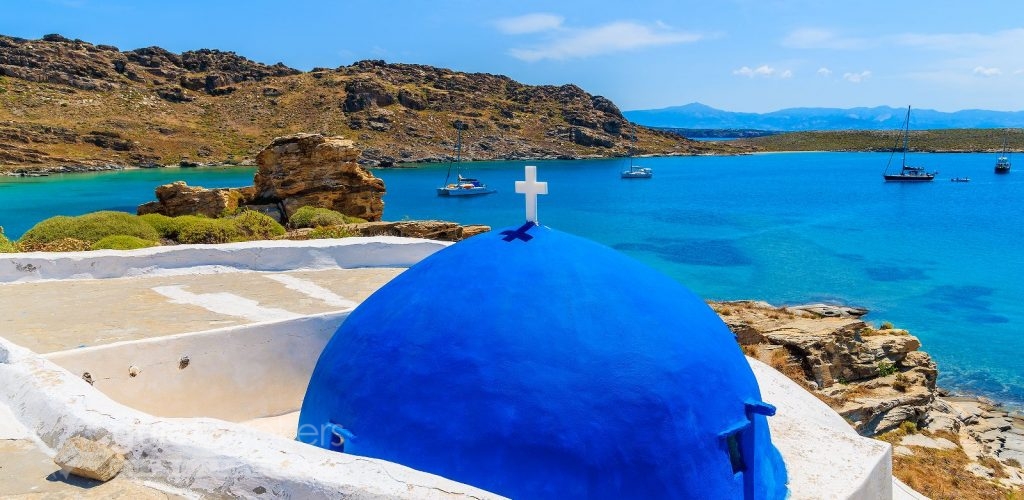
(179, 198)
(310, 169)
(90, 459)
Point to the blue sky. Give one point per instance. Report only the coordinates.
(738, 55)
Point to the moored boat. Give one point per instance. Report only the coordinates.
(463, 186)
(636, 171)
(1003, 162)
(906, 172)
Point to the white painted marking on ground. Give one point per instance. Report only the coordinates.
(311, 289)
(225, 303)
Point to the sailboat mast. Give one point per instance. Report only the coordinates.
(458, 146)
(906, 135)
(632, 148)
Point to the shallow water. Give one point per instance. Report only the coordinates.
(941, 259)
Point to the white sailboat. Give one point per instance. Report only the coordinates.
(636, 171)
(907, 173)
(463, 186)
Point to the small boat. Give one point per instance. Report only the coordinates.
(463, 186)
(907, 172)
(1003, 162)
(636, 171)
(961, 179)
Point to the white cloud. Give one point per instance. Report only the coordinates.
(609, 38)
(529, 23)
(857, 77)
(816, 38)
(763, 71)
(823, 71)
(983, 71)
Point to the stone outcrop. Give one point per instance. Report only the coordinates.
(294, 171)
(309, 169)
(876, 379)
(179, 198)
(90, 459)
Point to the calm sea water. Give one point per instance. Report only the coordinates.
(942, 259)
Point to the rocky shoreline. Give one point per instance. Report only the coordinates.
(880, 381)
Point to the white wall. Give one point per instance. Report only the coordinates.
(206, 456)
(824, 455)
(236, 373)
(278, 255)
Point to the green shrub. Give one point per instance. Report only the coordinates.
(253, 225)
(6, 246)
(122, 242)
(194, 229)
(886, 368)
(321, 233)
(89, 228)
(310, 216)
(886, 326)
(166, 226)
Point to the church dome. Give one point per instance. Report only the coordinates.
(536, 364)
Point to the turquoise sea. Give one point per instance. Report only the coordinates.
(942, 259)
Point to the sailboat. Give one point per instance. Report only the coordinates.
(636, 171)
(907, 172)
(1003, 162)
(463, 186)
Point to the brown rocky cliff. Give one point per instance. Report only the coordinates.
(880, 382)
(876, 379)
(67, 103)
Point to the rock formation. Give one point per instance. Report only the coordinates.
(305, 170)
(876, 379)
(294, 171)
(879, 381)
(309, 169)
(180, 199)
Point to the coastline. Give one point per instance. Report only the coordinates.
(883, 384)
(33, 170)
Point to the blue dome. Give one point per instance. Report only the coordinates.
(546, 366)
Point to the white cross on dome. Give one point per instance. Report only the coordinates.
(531, 188)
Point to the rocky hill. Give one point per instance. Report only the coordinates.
(68, 104)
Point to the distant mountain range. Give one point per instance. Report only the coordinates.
(700, 116)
